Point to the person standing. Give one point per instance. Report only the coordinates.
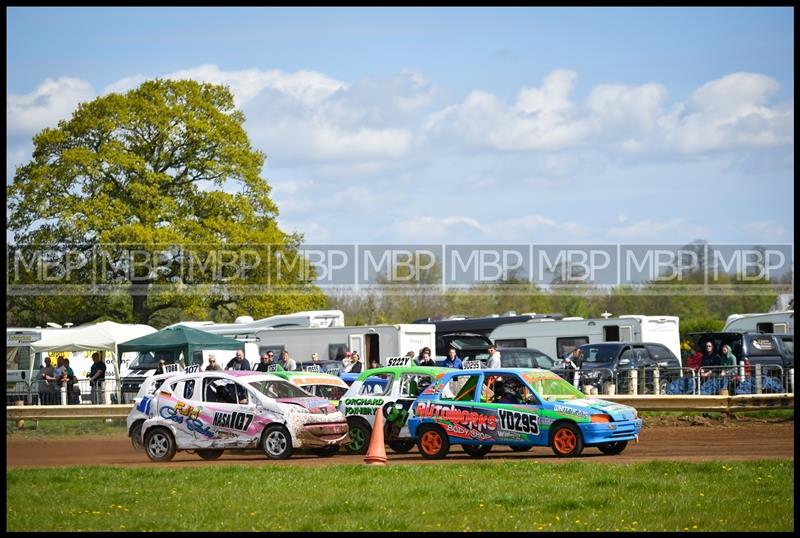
(728, 360)
(452, 360)
(161, 365)
(265, 363)
(97, 376)
(425, 358)
(347, 361)
(46, 378)
(711, 362)
(73, 391)
(212, 364)
(238, 362)
(355, 366)
(494, 358)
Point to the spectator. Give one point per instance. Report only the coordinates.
(266, 362)
(347, 361)
(315, 358)
(212, 364)
(73, 390)
(574, 361)
(374, 363)
(711, 361)
(97, 376)
(286, 362)
(694, 360)
(494, 358)
(161, 364)
(59, 375)
(425, 358)
(452, 360)
(238, 362)
(728, 360)
(47, 382)
(355, 364)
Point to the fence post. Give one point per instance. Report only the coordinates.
(633, 375)
(758, 379)
(106, 394)
(642, 381)
(791, 380)
(63, 392)
(656, 382)
(742, 372)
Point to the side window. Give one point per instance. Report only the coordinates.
(567, 344)
(788, 347)
(640, 353)
(511, 343)
(543, 361)
(627, 355)
(378, 385)
(461, 388)
(412, 385)
(220, 390)
(242, 396)
(336, 351)
(188, 389)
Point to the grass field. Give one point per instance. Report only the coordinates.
(489, 496)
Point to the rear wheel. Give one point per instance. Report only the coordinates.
(136, 436)
(523, 448)
(210, 453)
(433, 443)
(276, 443)
(159, 444)
(402, 446)
(476, 451)
(566, 440)
(359, 438)
(611, 449)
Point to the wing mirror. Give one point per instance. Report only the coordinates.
(623, 362)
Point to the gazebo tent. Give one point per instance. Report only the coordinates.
(181, 339)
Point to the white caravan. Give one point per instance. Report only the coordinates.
(768, 322)
(309, 318)
(558, 337)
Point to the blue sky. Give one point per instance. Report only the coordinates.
(473, 125)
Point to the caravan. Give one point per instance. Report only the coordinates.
(559, 337)
(768, 322)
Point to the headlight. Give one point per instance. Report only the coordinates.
(601, 418)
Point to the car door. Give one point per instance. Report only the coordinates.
(515, 408)
(230, 408)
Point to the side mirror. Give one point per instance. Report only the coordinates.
(623, 362)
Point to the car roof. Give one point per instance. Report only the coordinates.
(403, 370)
(234, 374)
(501, 371)
(317, 376)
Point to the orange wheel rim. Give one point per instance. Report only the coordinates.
(564, 440)
(431, 443)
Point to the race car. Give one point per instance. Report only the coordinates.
(390, 390)
(142, 407)
(326, 386)
(520, 408)
(209, 412)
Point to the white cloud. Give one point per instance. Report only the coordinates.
(52, 101)
(124, 85)
(654, 230)
(765, 230)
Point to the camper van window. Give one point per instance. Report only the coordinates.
(611, 333)
(18, 358)
(765, 328)
(510, 343)
(336, 351)
(567, 344)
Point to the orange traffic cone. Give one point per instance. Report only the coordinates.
(376, 452)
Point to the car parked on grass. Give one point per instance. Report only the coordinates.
(209, 412)
(517, 407)
(390, 390)
(514, 357)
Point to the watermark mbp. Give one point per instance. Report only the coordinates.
(262, 268)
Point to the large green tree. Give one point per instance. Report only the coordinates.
(161, 189)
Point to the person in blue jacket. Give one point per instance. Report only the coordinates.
(452, 360)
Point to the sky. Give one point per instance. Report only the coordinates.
(462, 125)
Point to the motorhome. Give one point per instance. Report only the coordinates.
(768, 322)
(481, 325)
(309, 318)
(559, 337)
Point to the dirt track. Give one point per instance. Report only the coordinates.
(676, 443)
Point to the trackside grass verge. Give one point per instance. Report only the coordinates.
(489, 496)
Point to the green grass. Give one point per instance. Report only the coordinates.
(491, 496)
(66, 428)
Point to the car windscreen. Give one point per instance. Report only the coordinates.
(150, 359)
(599, 353)
(329, 392)
(465, 342)
(279, 389)
(553, 389)
(788, 346)
(524, 359)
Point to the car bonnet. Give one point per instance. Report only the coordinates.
(617, 411)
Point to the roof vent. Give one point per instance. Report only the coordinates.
(244, 319)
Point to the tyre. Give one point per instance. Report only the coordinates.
(402, 446)
(433, 443)
(136, 436)
(276, 443)
(359, 438)
(477, 451)
(523, 448)
(210, 453)
(159, 444)
(326, 452)
(566, 440)
(611, 449)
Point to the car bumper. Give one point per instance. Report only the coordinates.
(322, 435)
(607, 432)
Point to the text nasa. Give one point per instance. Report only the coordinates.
(236, 421)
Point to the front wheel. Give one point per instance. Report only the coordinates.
(433, 444)
(359, 438)
(566, 440)
(276, 443)
(159, 444)
(401, 447)
(210, 453)
(476, 451)
(136, 436)
(611, 449)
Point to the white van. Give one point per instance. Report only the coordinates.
(558, 337)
